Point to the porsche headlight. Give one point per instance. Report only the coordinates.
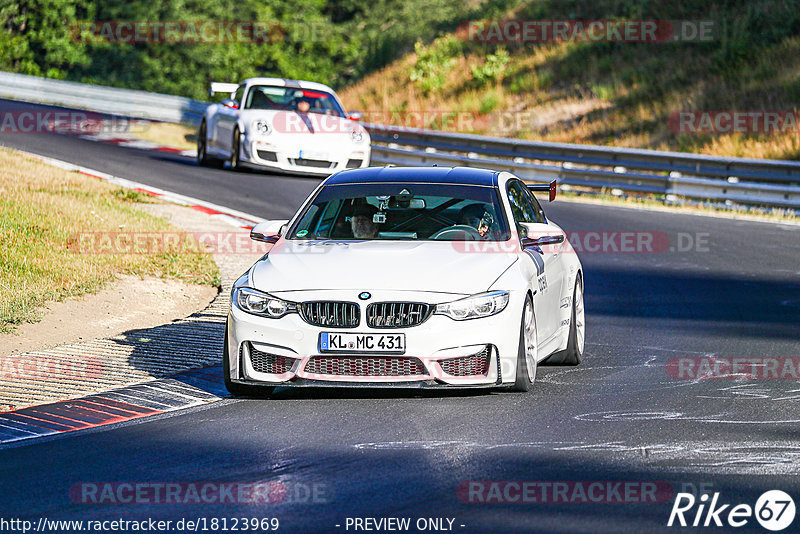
(474, 307)
(261, 127)
(357, 136)
(260, 303)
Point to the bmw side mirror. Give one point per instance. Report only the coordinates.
(539, 235)
(269, 231)
(355, 116)
(547, 240)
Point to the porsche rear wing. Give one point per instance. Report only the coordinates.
(222, 87)
(551, 187)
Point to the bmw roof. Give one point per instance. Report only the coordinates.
(444, 175)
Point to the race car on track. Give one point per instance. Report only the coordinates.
(408, 276)
(285, 125)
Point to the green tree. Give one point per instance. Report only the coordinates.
(40, 36)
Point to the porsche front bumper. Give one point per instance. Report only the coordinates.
(305, 154)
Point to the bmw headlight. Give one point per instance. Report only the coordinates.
(261, 127)
(260, 303)
(474, 307)
(357, 136)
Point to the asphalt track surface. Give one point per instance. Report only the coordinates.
(619, 416)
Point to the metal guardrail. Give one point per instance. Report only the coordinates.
(110, 100)
(673, 174)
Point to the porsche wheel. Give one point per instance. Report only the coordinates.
(236, 147)
(203, 159)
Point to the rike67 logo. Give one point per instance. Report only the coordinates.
(774, 510)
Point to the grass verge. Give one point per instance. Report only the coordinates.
(43, 209)
(167, 134)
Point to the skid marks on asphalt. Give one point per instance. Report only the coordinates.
(747, 457)
(608, 378)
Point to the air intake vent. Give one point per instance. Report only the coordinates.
(330, 313)
(322, 164)
(365, 366)
(475, 365)
(267, 155)
(273, 364)
(397, 314)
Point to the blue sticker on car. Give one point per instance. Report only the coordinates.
(324, 343)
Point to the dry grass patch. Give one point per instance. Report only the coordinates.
(602, 94)
(43, 210)
(166, 134)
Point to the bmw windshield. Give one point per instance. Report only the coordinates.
(403, 211)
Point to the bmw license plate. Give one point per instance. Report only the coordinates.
(387, 343)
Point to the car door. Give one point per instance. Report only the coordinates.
(544, 276)
(225, 120)
(553, 254)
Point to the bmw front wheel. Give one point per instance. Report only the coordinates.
(528, 349)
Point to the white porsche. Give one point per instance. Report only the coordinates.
(285, 125)
(408, 276)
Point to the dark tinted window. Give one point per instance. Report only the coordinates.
(409, 211)
(519, 199)
(239, 94)
(537, 208)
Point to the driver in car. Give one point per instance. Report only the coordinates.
(476, 216)
(303, 105)
(362, 223)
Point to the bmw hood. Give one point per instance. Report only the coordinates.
(436, 266)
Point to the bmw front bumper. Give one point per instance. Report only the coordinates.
(438, 352)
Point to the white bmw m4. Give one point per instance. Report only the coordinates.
(408, 276)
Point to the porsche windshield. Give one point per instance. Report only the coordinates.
(407, 211)
(292, 99)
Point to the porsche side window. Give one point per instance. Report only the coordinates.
(521, 208)
(239, 94)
